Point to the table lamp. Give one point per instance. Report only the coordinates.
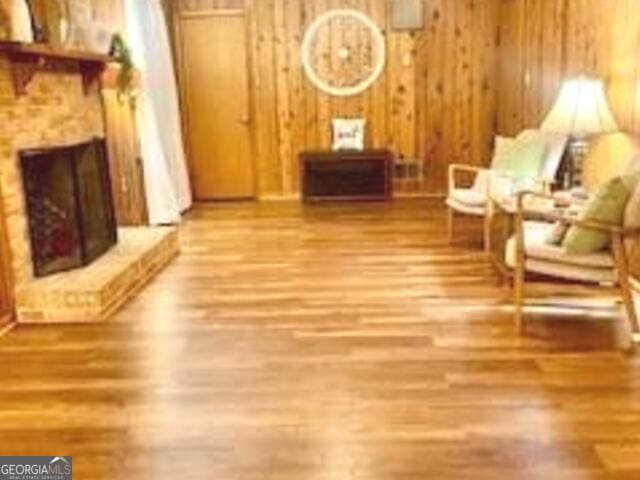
(582, 112)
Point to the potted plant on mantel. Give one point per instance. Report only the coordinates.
(125, 78)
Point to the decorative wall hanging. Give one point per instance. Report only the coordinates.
(343, 52)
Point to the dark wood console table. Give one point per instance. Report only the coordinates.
(346, 175)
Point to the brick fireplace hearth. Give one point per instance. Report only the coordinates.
(57, 111)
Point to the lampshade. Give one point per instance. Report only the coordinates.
(581, 110)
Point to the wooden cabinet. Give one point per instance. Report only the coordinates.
(346, 175)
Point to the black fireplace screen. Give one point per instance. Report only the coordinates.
(69, 205)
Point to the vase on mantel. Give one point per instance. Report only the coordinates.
(21, 26)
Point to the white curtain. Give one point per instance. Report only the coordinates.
(166, 179)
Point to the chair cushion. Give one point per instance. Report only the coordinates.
(467, 200)
(501, 150)
(553, 260)
(607, 206)
(536, 236)
(482, 181)
(556, 147)
(555, 236)
(470, 197)
(568, 272)
(524, 158)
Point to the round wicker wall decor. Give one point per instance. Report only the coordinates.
(343, 52)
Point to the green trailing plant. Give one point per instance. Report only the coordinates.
(121, 53)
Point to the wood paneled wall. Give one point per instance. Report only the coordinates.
(545, 41)
(436, 100)
(121, 132)
(6, 284)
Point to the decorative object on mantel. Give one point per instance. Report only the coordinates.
(26, 59)
(80, 23)
(581, 111)
(121, 53)
(50, 21)
(38, 10)
(355, 65)
(348, 134)
(21, 21)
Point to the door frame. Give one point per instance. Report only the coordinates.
(178, 17)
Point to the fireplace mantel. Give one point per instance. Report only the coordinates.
(28, 58)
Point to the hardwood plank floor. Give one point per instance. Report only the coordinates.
(329, 342)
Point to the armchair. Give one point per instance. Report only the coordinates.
(528, 251)
(474, 200)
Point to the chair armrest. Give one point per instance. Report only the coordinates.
(572, 220)
(545, 186)
(530, 193)
(456, 168)
(516, 204)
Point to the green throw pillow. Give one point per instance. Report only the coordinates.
(608, 206)
(522, 158)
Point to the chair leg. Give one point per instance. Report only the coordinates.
(629, 305)
(518, 296)
(488, 220)
(450, 226)
(626, 290)
(519, 274)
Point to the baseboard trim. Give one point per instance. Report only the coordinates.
(280, 198)
(425, 195)
(396, 196)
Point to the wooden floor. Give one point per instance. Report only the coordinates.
(333, 342)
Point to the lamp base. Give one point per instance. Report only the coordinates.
(578, 150)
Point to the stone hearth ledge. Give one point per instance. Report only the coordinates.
(95, 292)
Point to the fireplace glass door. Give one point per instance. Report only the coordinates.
(69, 206)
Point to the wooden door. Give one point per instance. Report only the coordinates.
(213, 51)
